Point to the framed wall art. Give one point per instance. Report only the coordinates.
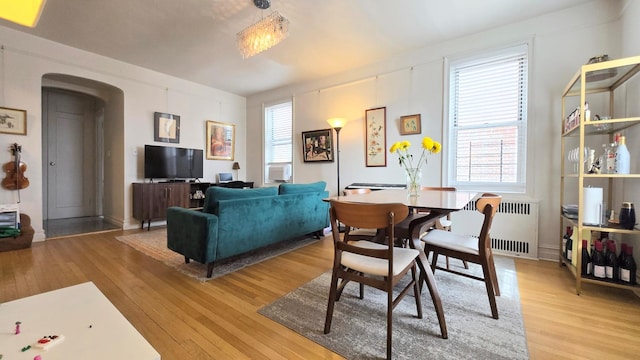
(13, 121)
(220, 140)
(317, 145)
(166, 128)
(410, 124)
(376, 136)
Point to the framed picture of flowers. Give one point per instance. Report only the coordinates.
(410, 124)
(376, 136)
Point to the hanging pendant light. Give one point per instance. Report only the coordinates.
(264, 34)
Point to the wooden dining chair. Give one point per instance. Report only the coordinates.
(471, 249)
(380, 266)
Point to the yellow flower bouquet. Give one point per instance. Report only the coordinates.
(414, 170)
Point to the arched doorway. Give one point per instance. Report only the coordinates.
(75, 114)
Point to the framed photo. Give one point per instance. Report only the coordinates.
(220, 140)
(166, 128)
(410, 124)
(376, 136)
(13, 121)
(317, 145)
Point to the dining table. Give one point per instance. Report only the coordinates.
(434, 204)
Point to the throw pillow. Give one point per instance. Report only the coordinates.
(216, 193)
(301, 188)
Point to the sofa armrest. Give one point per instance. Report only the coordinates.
(193, 234)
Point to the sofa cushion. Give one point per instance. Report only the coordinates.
(216, 193)
(301, 188)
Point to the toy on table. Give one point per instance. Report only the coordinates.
(46, 342)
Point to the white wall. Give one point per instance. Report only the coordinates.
(413, 83)
(25, 59)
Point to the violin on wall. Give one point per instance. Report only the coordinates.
(15, 179)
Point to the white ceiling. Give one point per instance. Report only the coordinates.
(195, 39)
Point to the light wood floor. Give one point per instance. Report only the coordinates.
(185, 319)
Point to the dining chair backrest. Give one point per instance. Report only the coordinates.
(368, 216)
(487, 204)
(347, 192)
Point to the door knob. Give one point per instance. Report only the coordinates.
(52, 163)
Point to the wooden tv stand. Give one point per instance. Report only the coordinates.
(151, 200)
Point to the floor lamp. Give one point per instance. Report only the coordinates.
(337, 124)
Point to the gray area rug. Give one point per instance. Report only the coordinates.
(154, 244)
(359, 326)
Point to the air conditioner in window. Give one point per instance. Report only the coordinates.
(280, 172)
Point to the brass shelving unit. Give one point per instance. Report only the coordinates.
(609, 76)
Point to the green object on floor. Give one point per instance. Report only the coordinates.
(7, 231)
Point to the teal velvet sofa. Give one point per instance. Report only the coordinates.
(236, 221)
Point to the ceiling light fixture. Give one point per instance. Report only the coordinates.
(23, 12)
(264, 34)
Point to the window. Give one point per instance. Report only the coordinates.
(278, 120)
(488, 121)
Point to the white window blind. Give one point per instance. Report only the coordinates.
(278, 134)
(487, 121)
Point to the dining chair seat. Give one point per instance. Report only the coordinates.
(402, 258)
(452, 241)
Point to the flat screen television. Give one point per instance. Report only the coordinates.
(166, 162)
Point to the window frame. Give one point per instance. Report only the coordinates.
(450, 154)
(268, 144)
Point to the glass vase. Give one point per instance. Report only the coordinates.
(414, 181)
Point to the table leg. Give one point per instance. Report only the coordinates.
(425, 272)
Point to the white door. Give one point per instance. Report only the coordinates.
(70, 170)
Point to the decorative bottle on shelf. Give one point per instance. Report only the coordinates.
(627, 216)
(599, 270)
(608, 165)
(587, 262)
(628, 267)
(622, 159)
(587, 112)
(611, 262)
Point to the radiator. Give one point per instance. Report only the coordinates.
(514, 230)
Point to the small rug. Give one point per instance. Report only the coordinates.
(358, 330)
(154, 244)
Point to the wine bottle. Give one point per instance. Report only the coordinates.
(628, 267)
(599, 262)
(587, 263)
(566, 237)
(623, 248)
(622, 159)
(611, 262)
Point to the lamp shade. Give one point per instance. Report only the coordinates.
(23, 12)
(337, 123)
(236, 166)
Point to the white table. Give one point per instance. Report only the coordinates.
(92, 327)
